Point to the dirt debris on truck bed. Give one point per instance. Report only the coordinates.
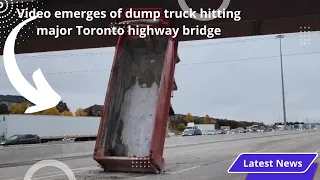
(134, 90)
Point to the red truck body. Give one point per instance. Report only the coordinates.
(133, 126)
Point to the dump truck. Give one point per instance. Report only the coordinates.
(133, 126)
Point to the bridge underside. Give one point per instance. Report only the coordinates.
(258, 18)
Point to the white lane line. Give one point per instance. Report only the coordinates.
(262, 150)
(318, 154)
(183, 170)
(140, 177)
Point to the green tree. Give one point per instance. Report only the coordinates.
(243, 124)
(181, 127)
(62, 106)
(189, 118)
(206, 119)
(4, 109)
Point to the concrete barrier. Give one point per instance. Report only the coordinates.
(16, 155)
(35, 153)
(28, 154)
(77, 149)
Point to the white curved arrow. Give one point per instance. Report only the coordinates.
(44, 97)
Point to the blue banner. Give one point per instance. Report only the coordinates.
(309, 175)
(273, 163)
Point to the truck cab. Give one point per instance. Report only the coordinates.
(191, 126)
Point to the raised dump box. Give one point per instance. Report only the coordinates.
(133, 126)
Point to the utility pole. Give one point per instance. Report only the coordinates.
(282, 85)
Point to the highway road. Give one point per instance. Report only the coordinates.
(197, 162)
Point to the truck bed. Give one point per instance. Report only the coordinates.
(133, 96)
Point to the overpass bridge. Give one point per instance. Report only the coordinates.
(257, 18)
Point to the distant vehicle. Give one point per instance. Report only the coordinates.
(209, 132)
(269, 130)
(205, 127)
(233, 131)
(255, 128)
(22, 139)
(241, 130)
(226, 128)
(191, 132)
(223, 132)
(191, 126)
(202, 127)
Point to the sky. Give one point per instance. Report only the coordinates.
(233, 78)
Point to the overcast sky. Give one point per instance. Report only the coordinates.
(240, 86)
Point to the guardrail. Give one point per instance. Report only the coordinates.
(28, 154)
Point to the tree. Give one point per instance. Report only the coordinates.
(62, 106)
(181, 127)
(189, 118)
(206, 119)
(290, 123)
(4, 109)
(90, 112)
(18, 108)
(243, 124)
(51, 111)
(80, 112)
(66, 113)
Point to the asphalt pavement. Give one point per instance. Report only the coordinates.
(196, 162)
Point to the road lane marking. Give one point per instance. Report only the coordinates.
(183, 170)
(140, 177)
(262, 150)
(318, 154)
